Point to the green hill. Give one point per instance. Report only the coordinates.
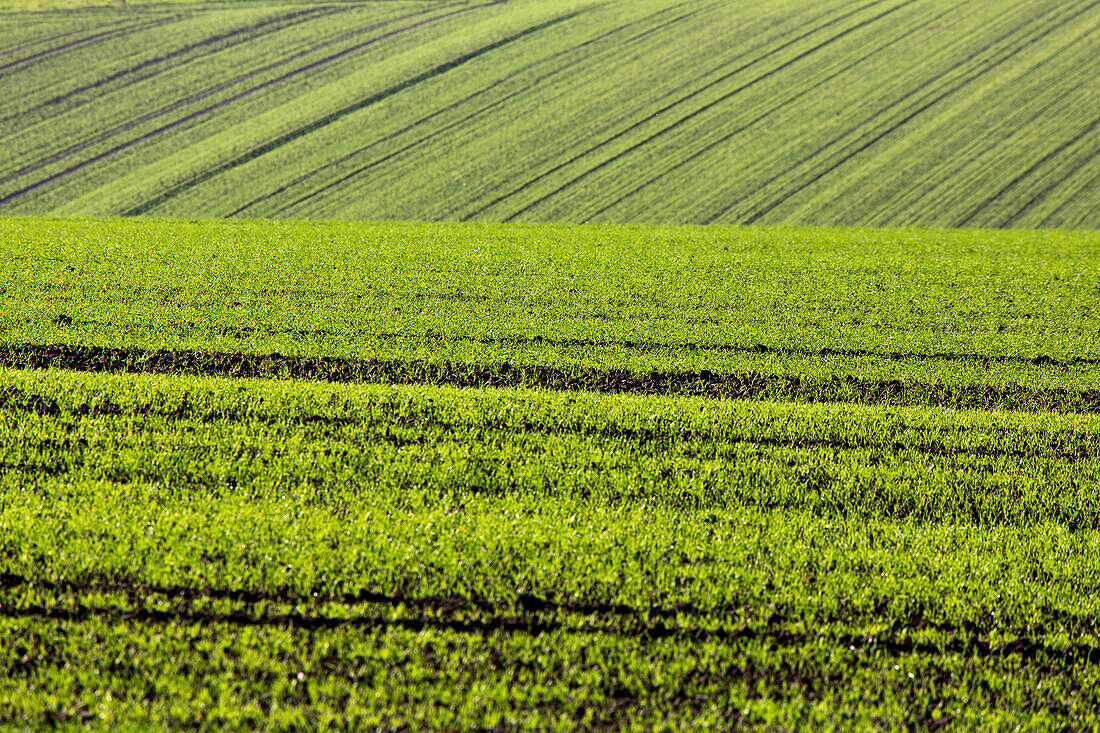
(880, 112)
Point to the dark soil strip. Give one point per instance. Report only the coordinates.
(525, 603)
(341, 113)
(986, 360)
(704, 383)
(1028, 649)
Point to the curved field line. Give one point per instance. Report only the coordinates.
(989, 146)
(136, 589)
(767, 54)
(1092, 185)
(670, 93)
(528, 614)
(50, 39)
(53, 178)
(206, 93)
(348, 156)
(890, 127)
(341, 113)
(246, 33)
(87, 40)
(465, 100)
(1089, 130)
(761, 117)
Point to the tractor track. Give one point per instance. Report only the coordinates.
(758, 212)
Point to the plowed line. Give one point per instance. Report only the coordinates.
(725, 77)
(537, 624)
(339, 114)
(51, 39)
(1088, 131)
(670, 93)
(1092, 185)
(763, 116)
(246, 33)
(211, 108)
(87, 40)
(524, 602)
(200, 96)
(658, 441)
(435, 133)
(704, 383)
(907, 117)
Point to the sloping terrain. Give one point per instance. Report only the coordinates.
(870, 112)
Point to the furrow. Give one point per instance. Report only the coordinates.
(664, 440)
(339, 114)
(16, 195)
(435, 133)
(766, 114)
(714, 82)
(51, 39)
(208, 45)
(534, 624)
(709, 105)
(1054, 153)
(890, 127)
(705, 383)
(87, 40)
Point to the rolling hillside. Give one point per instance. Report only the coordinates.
(873, 112)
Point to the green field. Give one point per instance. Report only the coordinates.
(497, 476)
(870, 113)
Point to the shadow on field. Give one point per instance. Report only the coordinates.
(529, 615)
(703, 383)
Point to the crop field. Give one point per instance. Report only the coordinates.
(836, 112)
(490, 476)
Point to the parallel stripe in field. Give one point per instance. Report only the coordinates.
(243, 34)
(178, 104)
(465, 100)
(858, 129)
(87, 40)
(1087, 132)
(907, 116)
(341, 113)
(136, 589)
(53, 178)
(767, 113)
(28, 45)
(1092, 185)
(654, 439)
(535, 616)
(767, 51)
(771, 51)
(934, 184)
(704, 383)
